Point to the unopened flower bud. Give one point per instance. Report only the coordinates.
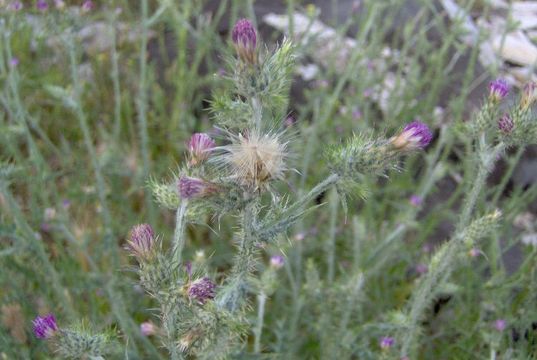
(45, 327)
(277, 261)
(201, 290)
(498, 90)
(245, 40)
(142, 239)
(190, 187)
(199, 147)
(415, 135)
(506, 124)
(529, 95)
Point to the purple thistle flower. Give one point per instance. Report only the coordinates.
(244, 37)
(199, 147)
(506, 124)
(87, 6)
(41, 5)
(277, 261)
(415, 135)
(201, 290)
(190, 187)
(45, 327)
(415, 200)
(498, 90)
(529, 95)
(386, 342)
(500, 325)
(142, 239)
(15, 6)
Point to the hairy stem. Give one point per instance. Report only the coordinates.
(179, 233)
(447, 255)
(261, 300)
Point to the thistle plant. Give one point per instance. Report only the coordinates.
(233, 173)
(491, 136)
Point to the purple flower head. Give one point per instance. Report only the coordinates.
(15, 6)
(500, 325)
(498, 90)
(41, 5)
(529, 95)
(506, 124)
(201, 290)
(415, 200)
(87, 6)
(147, 328)
(45, 327)
(415, 135)
(474, 252)
(277, 261)
(142, 239)
(190, 187)
(244, 37)
(386, 342)
(199, 147)
(14, 62)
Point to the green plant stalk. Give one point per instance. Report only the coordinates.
(423, 295)
(37, 245)
(142, 109)
(179, 233)
(331, 243)
(258, 331)
(83, 123)
(115, 80)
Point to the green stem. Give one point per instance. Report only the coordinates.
(448, 253)
(261, 300)
(179, 233)
(142, 108)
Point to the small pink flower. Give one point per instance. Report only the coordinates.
(199, 146)
(498, 90)
(500, 325)
(422, 269)
(147, 328)
(14, 62)
(386, 342)
(277, 261)
(87, 6)
(415, 200)
(45, 327)
(41, 5)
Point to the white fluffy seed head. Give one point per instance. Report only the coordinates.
(256, 159)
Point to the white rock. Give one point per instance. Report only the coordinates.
(515, 47)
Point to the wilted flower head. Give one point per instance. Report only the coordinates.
(201, 290)
(506, 124)
(41, 5)
(277, 261)
(45, 327)
(147, 328)
(245, 40)
(142, 239)
(500, 325)
(529, 95)
(415, 135)
(256, 159)
(190, 187)
(498, 90)
(199, 146)
(386, 342)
